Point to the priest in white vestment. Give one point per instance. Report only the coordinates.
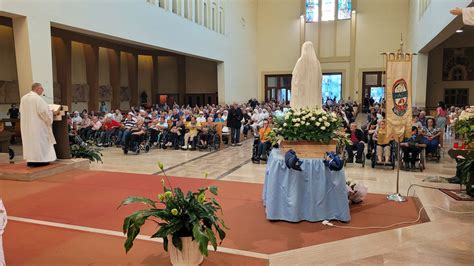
(3, 223)
(36, 128)
(306, 80)
(467, 15)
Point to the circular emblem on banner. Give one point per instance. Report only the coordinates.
(400, 97)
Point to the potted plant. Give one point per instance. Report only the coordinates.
(89, 151)
(309, 132)
(188, 220)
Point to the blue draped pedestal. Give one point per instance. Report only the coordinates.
(314, 194)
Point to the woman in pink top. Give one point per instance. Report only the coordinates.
(441, 114)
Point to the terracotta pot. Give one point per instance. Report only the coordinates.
(189, 256)
(308, 149)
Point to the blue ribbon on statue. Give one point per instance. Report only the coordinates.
(292, 161)
(333, 161)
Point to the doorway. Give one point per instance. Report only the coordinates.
(278, 88)
(373, 89)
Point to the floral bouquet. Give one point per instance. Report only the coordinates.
(465, 126)
(309, 124)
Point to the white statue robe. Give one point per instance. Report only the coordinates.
(468, 16)
(306, 81)
(3, 223)
(36, 129)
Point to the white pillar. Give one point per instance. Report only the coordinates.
(33, 54)
(169, 5)
(221, 82)
(420, 78)
(192, 10)
(181, 7)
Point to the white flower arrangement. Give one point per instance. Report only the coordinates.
(308, 124)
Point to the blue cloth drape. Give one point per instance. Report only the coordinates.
(314, 194)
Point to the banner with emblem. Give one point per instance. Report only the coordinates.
(398, 93)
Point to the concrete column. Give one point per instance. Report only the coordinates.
(62, 48)
(33, 54)
(154, 82)
(132, 63)
(91, 53)
(181, 78)
(114, 72)
(419, 79)
(221, 82)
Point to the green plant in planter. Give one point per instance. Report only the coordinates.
(178, 214)
(89, 151)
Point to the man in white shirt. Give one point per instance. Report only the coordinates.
(36, 128)
(77, 118)
(467, 15)
(201, 118)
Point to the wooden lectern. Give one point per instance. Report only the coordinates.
(63, 151)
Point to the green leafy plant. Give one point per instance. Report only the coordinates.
(178, 214)
(308, 124)
(89, 151)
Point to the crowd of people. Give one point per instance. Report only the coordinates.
(194, 128)
(178, 127)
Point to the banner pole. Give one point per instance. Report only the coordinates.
(396, 196)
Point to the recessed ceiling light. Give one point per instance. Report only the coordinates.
(459, 31)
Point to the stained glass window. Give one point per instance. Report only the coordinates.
(344, 9)
(312, 10)
(328, 10)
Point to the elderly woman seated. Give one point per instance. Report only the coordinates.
(383, 143)
(431, 135)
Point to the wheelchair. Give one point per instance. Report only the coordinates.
(214, 140)
(141, 144)
(420, 160)
(345, 155)
(436, 155)
(393, 155)
(264, 157)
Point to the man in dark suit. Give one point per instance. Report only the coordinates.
(234, 122)
(358, 139)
